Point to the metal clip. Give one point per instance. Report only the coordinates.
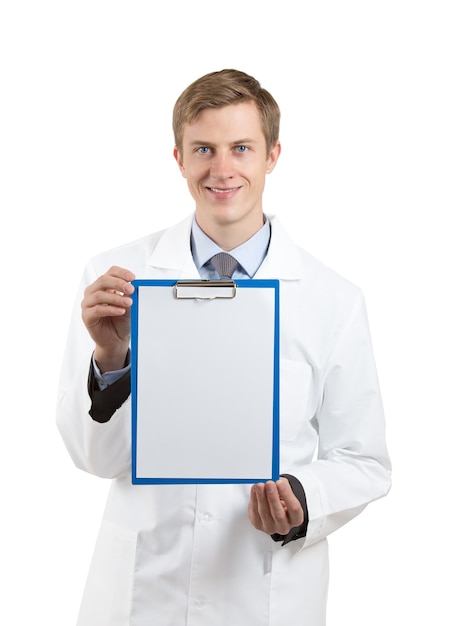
(205, 289)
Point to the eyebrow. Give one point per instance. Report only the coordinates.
(238, 142)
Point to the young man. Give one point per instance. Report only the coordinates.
(173, 555)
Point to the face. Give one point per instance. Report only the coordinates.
(225, 161)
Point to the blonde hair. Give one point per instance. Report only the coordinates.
(220, 89)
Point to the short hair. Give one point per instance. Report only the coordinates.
(220, 89)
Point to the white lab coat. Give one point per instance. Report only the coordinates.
(187, 555)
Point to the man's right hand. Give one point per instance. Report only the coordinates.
(106, 310)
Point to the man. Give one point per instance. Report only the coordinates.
(225, 554)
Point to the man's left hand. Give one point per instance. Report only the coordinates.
(274, 508)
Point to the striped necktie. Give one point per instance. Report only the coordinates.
(225, 264)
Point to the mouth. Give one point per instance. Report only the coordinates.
(221, 191)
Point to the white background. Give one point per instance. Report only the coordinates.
(365, 183)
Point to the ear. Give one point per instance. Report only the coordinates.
(178, 155)
(273, 157)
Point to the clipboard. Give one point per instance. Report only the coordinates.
(205, 381)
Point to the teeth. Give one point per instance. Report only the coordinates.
(220, 190)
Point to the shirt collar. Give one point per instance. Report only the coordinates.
(249, 254)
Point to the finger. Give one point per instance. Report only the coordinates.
(267, 503)
(113, 281)
(104, 304)
(292, 506)
(259, 511)
(121, 272)
(253, 508)
(276, 507)
(108, 295)
(109, 298)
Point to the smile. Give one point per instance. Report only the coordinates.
(215, 190)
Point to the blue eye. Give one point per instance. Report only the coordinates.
(203, 150)
(242, 148)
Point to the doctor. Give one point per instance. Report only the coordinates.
(212, 555)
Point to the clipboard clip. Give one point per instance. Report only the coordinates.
(204, 289)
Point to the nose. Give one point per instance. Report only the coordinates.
(222, 166)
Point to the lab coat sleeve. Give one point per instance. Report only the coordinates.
(352, 466)
(98, 448)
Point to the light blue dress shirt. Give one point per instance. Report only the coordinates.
(250, 256)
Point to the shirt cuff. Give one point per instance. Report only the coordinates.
(298, 532)
(109, 378)
(105, 400)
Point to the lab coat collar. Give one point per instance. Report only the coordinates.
(283, 260)
(173, 252)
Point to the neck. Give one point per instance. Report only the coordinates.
(230, 236)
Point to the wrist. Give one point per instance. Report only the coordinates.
(111, 359)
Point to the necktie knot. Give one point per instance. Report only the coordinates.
(225, 264)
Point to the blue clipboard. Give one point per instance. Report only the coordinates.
(205, 381)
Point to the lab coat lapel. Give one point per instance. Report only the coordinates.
(283, 260)
(172, 255)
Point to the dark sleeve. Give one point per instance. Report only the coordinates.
(105, 403)
(299, 531)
